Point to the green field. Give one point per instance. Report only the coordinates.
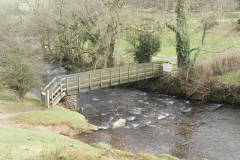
(220, 38)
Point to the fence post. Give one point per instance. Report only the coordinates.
(145, 71)
(79, 83)
(60, 83)
(160, 69)
(100, 79)
(120, 75)
(110, 77)
(152, 69)
(128, 73)
(90, 79)
(47, 98)
(52, 97)
(67, 89)
(41, 91)
(137, 72)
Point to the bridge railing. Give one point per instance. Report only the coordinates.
(85, 81)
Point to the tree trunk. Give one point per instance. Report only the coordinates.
(182, 37)
(111, 51)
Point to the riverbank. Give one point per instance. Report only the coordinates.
(31, 131)
(212, 80)
(219, 91)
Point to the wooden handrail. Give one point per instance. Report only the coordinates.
(85, 81)
(49, 84)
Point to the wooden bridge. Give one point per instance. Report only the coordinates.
(71, 84)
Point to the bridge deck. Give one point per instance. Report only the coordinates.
(85, 81)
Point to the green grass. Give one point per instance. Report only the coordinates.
(39, 115)
(122, 45)
(54, 116)
(214, 43)
(168, 157)
(6, 95)
(25, 144)
(218, 39)
(10, 104)
(231, 78)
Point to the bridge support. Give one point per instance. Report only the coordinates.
(70, 102)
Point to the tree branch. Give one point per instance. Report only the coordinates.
(202, 42)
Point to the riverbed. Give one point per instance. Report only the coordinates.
(158, 124)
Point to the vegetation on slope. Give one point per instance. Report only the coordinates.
(10, 104)
(210, 80)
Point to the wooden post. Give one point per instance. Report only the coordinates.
(60, 83)
(41, 91)
(90, 79)
(110, 77)
(47, 98)
(67, 89)
(137, 72)
(145, 71)
(159, 68)
(79, 83)
(128, 73)
(100, 79)
(120, 75)
(52, 97)
(152, 69)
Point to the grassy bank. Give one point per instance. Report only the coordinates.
(30, 131)
(54, 116)
(211, 80)
(17, 143)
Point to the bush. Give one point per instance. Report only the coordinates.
(148, 45)
(238, 25)
(18, 68)
(202, 82)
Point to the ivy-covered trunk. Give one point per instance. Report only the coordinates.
(182, 36)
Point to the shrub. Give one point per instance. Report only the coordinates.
(238, 25)
(148, 45)
(18, 68)
(202, 81)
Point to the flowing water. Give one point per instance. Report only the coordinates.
(158, 124)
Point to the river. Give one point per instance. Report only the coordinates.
(158, 124)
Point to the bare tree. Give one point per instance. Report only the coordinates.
(112, 18)
(79, 35)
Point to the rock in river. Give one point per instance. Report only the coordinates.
(119, 123)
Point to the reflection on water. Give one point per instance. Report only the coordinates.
(160, 124)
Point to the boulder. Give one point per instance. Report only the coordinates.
(119, 123)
